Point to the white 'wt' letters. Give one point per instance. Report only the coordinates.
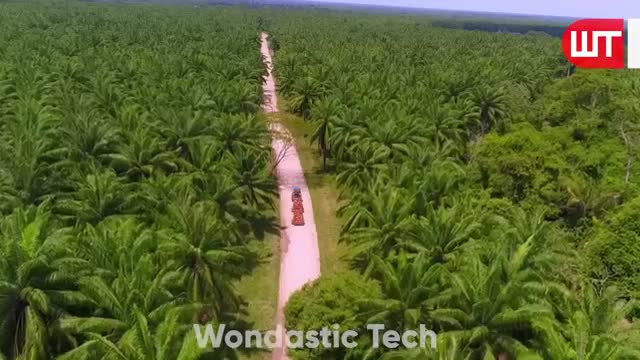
(595, 36)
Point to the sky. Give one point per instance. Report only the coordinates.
(573, 8)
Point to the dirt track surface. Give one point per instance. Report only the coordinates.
(299, 254)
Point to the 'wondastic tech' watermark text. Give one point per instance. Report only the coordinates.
(329, 338)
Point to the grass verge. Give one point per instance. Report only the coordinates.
(260, 291)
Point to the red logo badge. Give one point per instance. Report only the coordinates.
(595, 43)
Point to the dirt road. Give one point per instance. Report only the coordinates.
(300, 257)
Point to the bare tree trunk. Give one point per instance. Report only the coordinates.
(280, 134)
(484, 124)
(627, 145)
(324, 159)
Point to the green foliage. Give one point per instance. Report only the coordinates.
(484, 158)
(328, 301)
(522, 165)
(490, 188)
(134, 172)
(615, 247)
(589, 93)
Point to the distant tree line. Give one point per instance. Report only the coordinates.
(491, 26)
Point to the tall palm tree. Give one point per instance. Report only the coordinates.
(85, 139)
(169, 340)
(391, 138)
(457, 86)
(361, 168)
(179, 128)
(201, 258)
(324, 112)
(251, 172)
(33, 289)
(240, 132)
(491, 314)
(490, 107)
(410, 285)
(443, 233)
(141, 155)
(443, 124)
(346, 134)
(154, 195)
(223, 195)
(597, 328)
(438, 181)
(377, 222)
(534, 250)
(303, 93)
(98, 195)
(28, 150)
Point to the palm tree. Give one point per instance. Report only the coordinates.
(410, 285)
(534, 249)
(456, 87)
(203, 156)
(444, 125)
(107, 94)
(220, 192)
(447, 349)
(33, 291)
(492, 313)
(597, 328)
(391, 139)
(505, 307)
(202, 259)
(585, 201)
(85, 139)
(139, 312)
(438, 181)
(377, 222)
(180, 128)
(361, 168)
(98, 195)
(154, 195)
(444, 233)
(240, 132)
(490, 107)
(324, 113)
(28, 150)
(303, 93)
(346, 134)
(169, 340)
(141, 155)
(251, 173)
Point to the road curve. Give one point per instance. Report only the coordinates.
(299, 254)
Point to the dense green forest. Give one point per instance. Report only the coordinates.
(490, 189)
(134, 173)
